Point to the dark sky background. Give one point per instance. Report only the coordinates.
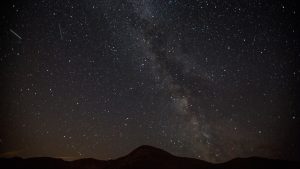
(213, 80)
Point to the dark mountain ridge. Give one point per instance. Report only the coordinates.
(145, 157)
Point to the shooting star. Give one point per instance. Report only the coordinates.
(13, 32)
(61, 37)
(254, 40)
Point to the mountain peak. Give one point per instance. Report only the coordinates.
(148, 150)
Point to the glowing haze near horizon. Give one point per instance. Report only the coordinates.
(213, 80)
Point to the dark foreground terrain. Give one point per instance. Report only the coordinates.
(146, 157)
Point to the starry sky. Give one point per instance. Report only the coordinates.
(212, 80)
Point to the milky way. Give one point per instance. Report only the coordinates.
(213, 80)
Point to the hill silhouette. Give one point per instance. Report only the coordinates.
(145, 157)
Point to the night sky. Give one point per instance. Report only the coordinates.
(212, 80)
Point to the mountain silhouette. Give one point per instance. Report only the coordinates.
(145, 157)
(150, 157)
